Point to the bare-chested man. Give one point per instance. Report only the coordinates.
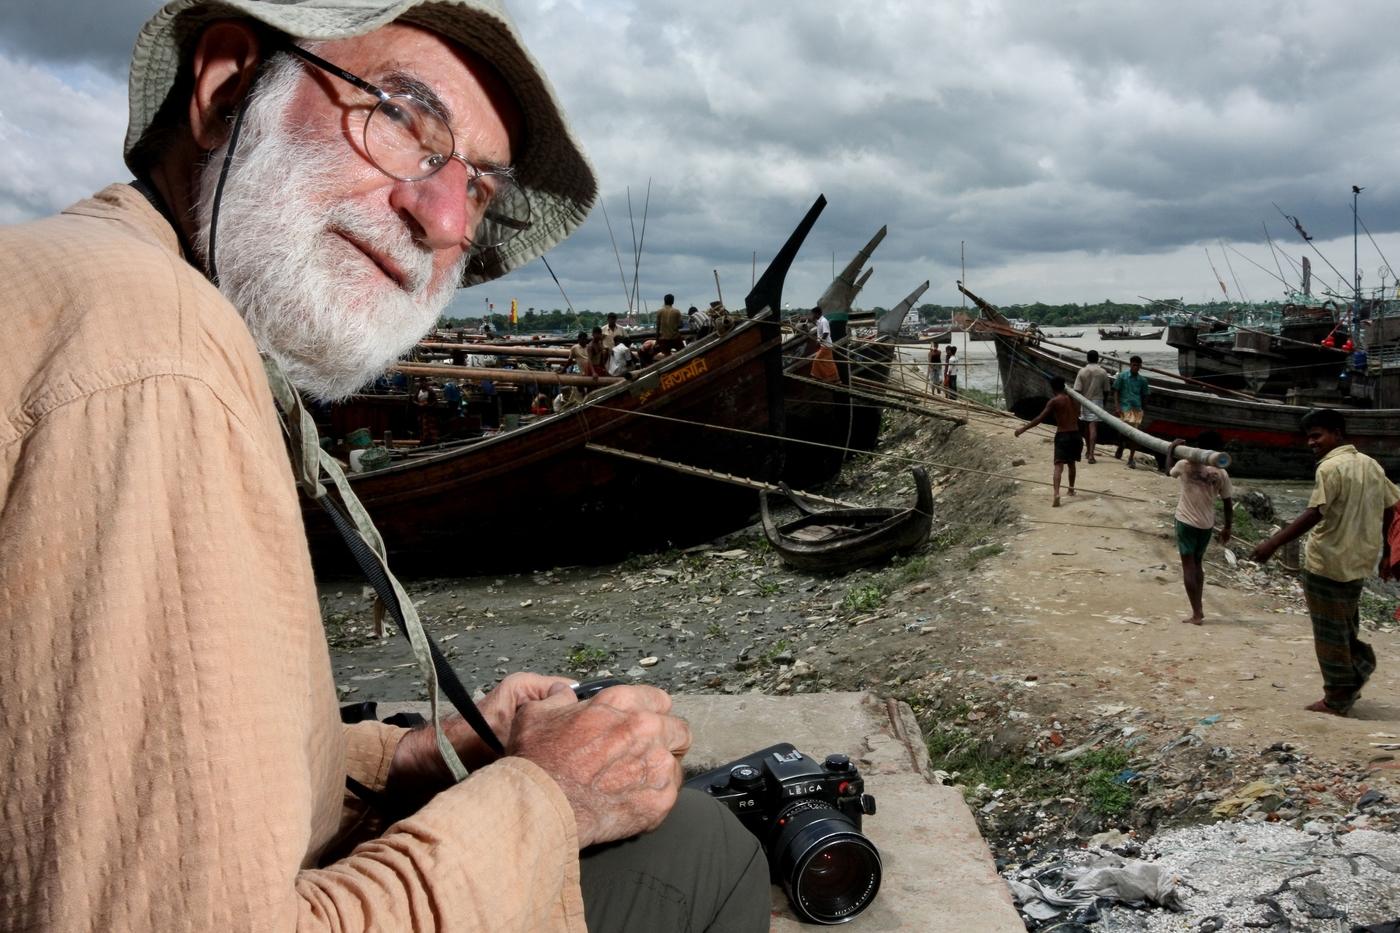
(1064, 411)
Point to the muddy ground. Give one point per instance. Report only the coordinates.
(1040, 647)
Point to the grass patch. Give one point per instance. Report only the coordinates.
(981, 553)
(912, 570)
(716, 631)
(865, 598)
(770, 656)
(769, 588)
(1098, 775)
(1243, 526)
(991, 399)
(584, 658)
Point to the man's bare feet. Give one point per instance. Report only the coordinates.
(1056, 503)
(1321, 707)
(1132, 463)
(1091, 459)
(1194, 620)
(1071, 491)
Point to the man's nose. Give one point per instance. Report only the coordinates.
(439, 207)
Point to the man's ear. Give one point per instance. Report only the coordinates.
(225, 62)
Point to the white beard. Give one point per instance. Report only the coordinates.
(312, 301)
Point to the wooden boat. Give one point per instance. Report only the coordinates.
(544, 495)
(837, 540)
(824, 420)
(1262, 436)
(1127, 333)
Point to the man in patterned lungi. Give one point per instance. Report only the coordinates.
(1351, 506)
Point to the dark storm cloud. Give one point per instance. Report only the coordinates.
(1075, 147)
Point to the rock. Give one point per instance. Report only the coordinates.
(1019, 461)
(1111, 839)
(1258, 505)
(636, 673)
(650, 661)
(1317, 828)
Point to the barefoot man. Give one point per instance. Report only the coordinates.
(1352, 504)
(1195, 517)
(1064, 411)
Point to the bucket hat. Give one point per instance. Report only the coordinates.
(551, 168)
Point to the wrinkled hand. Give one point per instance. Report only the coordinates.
(616, 757)
(418, 771)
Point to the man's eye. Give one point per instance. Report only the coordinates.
(397, 114)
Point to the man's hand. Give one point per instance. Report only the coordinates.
(1263, 552)
(1021, 430)
(418, 771)
(616, 757)
(1225, 535)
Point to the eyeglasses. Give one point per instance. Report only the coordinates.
(408, 139)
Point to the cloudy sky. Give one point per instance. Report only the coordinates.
(1082, 150)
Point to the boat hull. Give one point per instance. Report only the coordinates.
(1262, 437)
(539, 496)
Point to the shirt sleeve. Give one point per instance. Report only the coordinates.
(1323, 487)
(178, 744)
(1227, 491)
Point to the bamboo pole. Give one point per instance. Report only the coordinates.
(717, 476)
(1216, 458)
(491, 349)
(528, 376)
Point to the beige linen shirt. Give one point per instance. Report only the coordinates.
(1352, 491)
(172, 754)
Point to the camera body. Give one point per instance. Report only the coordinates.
(807, 815)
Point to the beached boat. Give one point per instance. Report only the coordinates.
(824, 420)
(838, 540)
(551, 492)
(1261, 436)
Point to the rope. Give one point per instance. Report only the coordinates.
(717, 475)
(878, 456)
(887, 403)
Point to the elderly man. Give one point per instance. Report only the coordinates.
(174, 758)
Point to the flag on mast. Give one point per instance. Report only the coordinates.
(514, 316)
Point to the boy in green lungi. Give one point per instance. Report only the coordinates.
(1351, 505)
(1195, 517)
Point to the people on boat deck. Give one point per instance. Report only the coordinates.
(174, 757)
(578, 355)
(823, 358)
(1091, 382)
(1201, 484)
(597, 354)
(1064, 412)
(1130, 389)
(668, 326)
(611, 330)
(541, 405)
(950, 373)
(935, 370)
(621, 359)
(1349, 512)
(700, 323)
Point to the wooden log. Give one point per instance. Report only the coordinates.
(542, 377)
(495, 349)
(1216, 458)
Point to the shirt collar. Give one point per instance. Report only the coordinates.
(1338, 451)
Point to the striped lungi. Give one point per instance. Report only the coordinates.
(1346, 661)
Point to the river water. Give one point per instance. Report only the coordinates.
(977, 359)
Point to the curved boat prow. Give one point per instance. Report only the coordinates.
(767, 293)
(842, 291)
(893, 319)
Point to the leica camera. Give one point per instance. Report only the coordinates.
(806, 814)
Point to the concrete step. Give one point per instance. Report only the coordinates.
(938, 872)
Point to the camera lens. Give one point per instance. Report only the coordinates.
(830, 871)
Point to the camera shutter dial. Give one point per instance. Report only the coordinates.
(837, 763)
(745, 778)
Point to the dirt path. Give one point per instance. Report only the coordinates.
(1093, 593)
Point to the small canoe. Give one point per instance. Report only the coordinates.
(837, 540)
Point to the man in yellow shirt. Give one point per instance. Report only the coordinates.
(1351, 506)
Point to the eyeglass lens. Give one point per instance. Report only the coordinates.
(408, 140)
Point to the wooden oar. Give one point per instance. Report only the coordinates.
(494, 349)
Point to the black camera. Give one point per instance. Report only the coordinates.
(806, 814)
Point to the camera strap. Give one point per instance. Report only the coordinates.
(310, 462)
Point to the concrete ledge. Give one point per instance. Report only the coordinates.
(938, 873)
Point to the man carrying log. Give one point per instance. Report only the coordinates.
(1091, 382)
(174, 758)
(1201, 485)
(1352, 505)
(1064, 412)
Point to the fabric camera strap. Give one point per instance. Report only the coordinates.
(353, 523)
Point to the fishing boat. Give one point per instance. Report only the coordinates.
(1261, 435)
(1071, 335)
(825, 420)
(1127, 333)
(838, 540)
(564, 490)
